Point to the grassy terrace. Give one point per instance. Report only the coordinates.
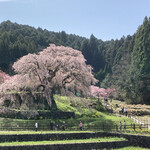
(61, 132)
(107, 139)
(39, 132)
(131, 148)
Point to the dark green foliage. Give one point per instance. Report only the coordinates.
(131, 68)
(100, 107)
(17, 41)
(140, 64)
(96, 59)
(100, 75)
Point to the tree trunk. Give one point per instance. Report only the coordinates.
(53, 106)
(49, 94)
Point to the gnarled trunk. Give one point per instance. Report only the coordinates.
(49, 95)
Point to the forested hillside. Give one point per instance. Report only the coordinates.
(130, 70)
(123, 64)
(18, 40)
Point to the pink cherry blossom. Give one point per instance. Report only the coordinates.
(101, 92)
(4, 76)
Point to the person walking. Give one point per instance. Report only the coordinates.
(126, 112)
(56, 126)
(51, 125)
(120, 126)
(36, 126)
(80, 125)
(122, 111)
(134, 126)
(124, 124)
(63, 125)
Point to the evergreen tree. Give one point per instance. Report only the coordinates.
(140, 61)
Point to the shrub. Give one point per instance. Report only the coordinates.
(100, 107)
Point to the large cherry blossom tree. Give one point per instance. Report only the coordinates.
(56, 68)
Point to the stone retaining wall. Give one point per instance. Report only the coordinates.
(138, 140)
(80, 146)
(55, 136)
(32, 114)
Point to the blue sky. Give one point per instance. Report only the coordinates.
(106, 19)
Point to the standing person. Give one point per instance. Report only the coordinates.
(126, 112)
(56, 126)
(80, 125)
(63, 125)
(120, 126)
(134, 126)
(124, 124)
(51, 125)
(122, 110)
(106, 100)
(36, 126)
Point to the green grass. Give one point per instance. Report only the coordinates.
(39, 132)
(108, 139)
(131, 148)
(87, 112)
